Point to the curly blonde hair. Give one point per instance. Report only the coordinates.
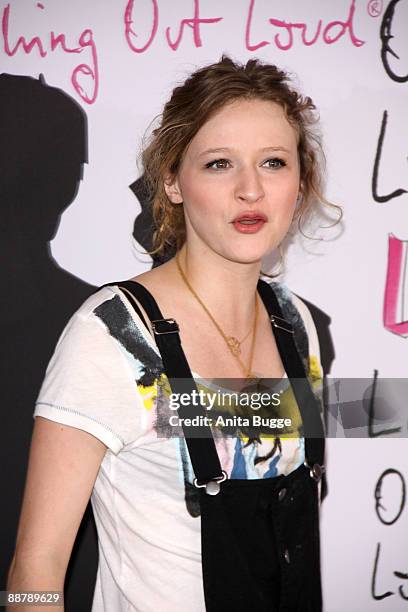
(191, 104)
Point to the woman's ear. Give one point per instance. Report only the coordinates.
(172, 189)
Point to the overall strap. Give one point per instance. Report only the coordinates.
(199, 439)
(307, 402)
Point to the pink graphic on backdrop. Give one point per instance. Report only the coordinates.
(141, 36)
(132, 36)
(87, 87)
(329, 34)
(130, 33)
(394, 295)
(193, 23)
(27, 46)
(85, 70)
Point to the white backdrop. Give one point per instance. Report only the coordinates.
(121, 58)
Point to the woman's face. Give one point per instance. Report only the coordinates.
(243, 162)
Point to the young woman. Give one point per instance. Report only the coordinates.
(185, 522)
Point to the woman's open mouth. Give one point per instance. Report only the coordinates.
(249, 223)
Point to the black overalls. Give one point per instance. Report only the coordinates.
(259, 538)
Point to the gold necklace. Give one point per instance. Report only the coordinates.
(232, 342)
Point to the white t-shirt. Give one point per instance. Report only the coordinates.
(106, 377)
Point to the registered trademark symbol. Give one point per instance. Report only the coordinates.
(374, 8)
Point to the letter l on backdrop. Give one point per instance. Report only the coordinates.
(395, 312)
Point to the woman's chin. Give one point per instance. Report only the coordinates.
(251, 254)
(247, 257)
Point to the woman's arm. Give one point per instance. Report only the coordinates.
(63, 466)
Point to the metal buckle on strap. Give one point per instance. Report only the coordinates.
(316, 470)
(286, 326)
(213, 486)
(165, 326)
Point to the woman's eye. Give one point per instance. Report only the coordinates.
(271, 163)
(218, 164)
(222, 164)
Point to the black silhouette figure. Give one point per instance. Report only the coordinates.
(143, 226)
(43, 148)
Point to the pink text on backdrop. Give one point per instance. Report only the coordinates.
(329, 35)
(84, 78)
(141, 36)
(394, 295)
(194, 23)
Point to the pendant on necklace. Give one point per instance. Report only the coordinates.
(234, 345)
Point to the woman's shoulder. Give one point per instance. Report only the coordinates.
(105, 322)
(101, 295)
(90, 379)
(108, 303)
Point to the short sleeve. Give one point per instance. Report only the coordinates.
(89, 384)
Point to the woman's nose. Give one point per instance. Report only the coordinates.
(249, 186)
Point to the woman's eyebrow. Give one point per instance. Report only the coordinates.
(218, 150)
(228, 150)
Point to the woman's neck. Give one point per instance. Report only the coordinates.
(227, 288)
